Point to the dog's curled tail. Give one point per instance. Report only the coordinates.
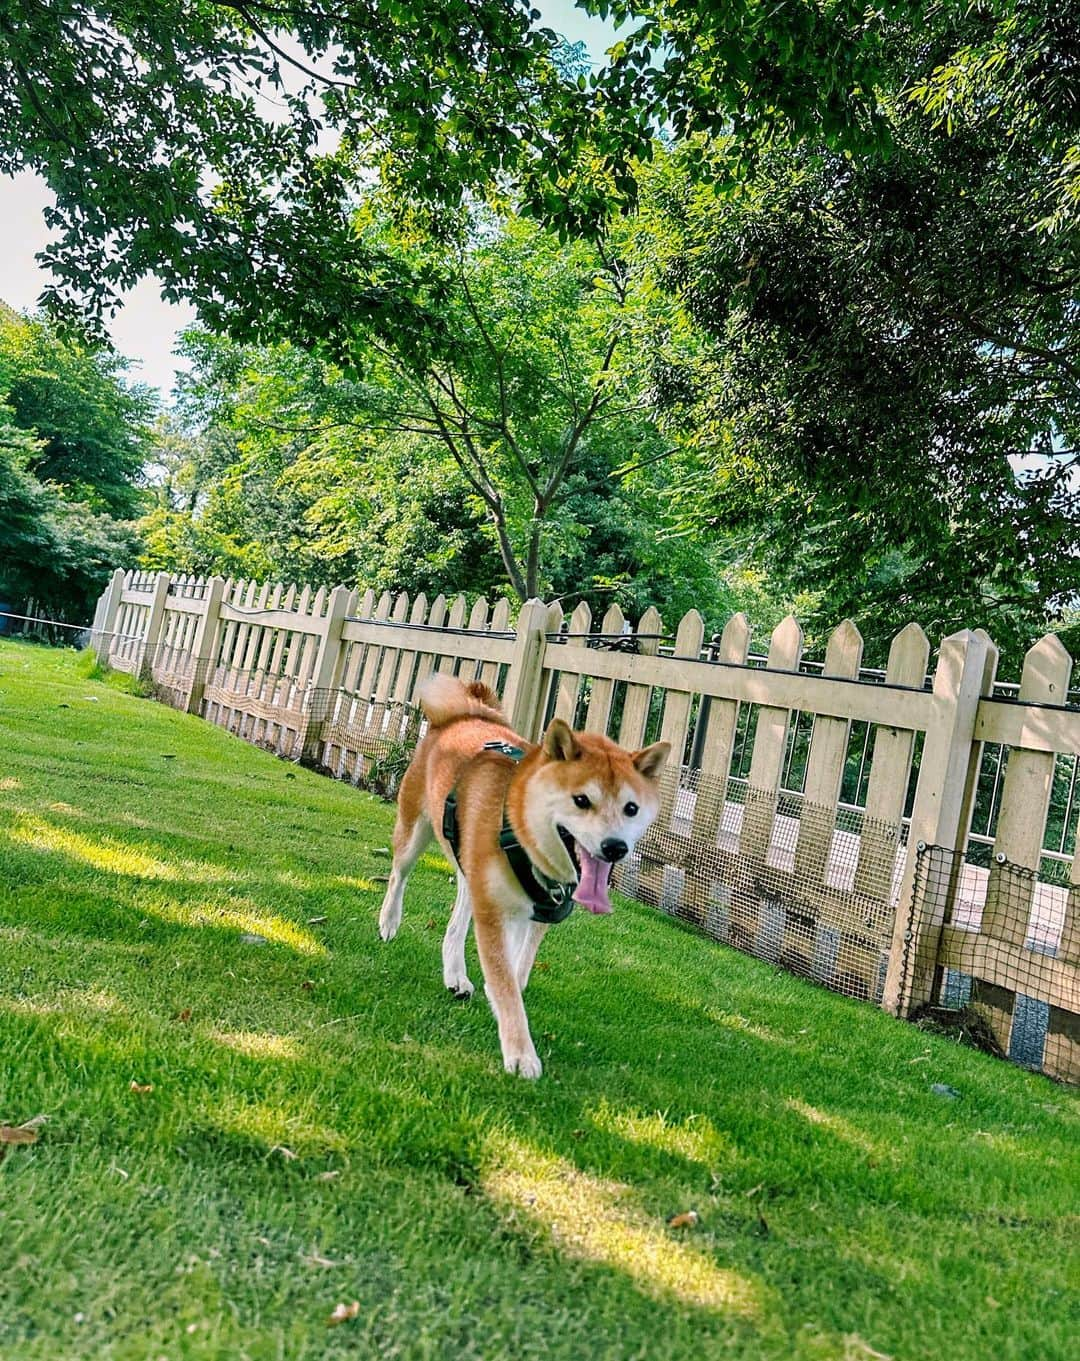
(445, 698)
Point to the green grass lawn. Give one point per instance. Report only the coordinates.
(325, 1125)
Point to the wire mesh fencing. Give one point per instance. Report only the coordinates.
(365, 740)
(1007, 948)
(810, 888)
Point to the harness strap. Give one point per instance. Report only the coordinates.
(552, 901)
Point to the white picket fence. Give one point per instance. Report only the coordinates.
(879, 894)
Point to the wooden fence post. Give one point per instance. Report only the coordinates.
(113, 592)
(154, 621)
(948, 771)
(521, 702)
(1025, 799)
(324, 677)
(204, 644)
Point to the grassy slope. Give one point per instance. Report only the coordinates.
(845, 1209)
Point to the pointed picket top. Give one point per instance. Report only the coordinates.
(954, 659)
(252, 591)
(613, 621)
(500, 615)
(382, 609)
(909, 656)
(785, 645)
(318, 604)
(290, 596)
(418, 613)
(264, 595)
(735, 640)
(554, 620)
(690, 635)
(581, 619)
(367, 604)
(649, 623)
(993, 656)
(843, 653)
(275, 597)
(238, 589)
(458, 610)
(400, 611)
(478, 614)
(437, 617)
(1047, 670)
(303, 605)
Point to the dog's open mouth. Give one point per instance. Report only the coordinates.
(594, 876)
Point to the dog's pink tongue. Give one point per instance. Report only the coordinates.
(592, 889)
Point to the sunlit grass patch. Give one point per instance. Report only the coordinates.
(598, 1220)
(694, 1137)
(254, 1045)
(111, 855)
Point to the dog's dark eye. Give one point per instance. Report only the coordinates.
(630, 810)
(582, 801)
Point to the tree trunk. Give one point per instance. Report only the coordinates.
(532, 562)
(509, 558)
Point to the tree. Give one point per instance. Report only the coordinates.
(93, 428)
(533, 391)
(56, 552)
(191, 140)
(530, 459)
(885, 389)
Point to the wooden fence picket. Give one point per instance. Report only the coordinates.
(712, 778)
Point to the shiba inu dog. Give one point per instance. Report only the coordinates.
(532, 829)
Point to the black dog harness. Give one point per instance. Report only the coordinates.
(552, 901)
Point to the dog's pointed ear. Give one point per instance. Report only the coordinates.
(650, 760)
(559, 741)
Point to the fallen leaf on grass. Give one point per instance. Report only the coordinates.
(686, 1220)
(141, 1087)
(17, 1134)
(286, 1153)
(328, 1176)
(307, 984)
(184, 1015)
(854, 1347)
(251, 938)
(317, 921)
(343, 1313)
(754, 1190)
(316, 1259)
(381, 850)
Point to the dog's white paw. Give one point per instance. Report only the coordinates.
(460, 985)
(389, 921)
(525, 1065)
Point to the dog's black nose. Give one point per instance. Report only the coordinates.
(613, 849)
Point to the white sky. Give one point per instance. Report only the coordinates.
(146, 327)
